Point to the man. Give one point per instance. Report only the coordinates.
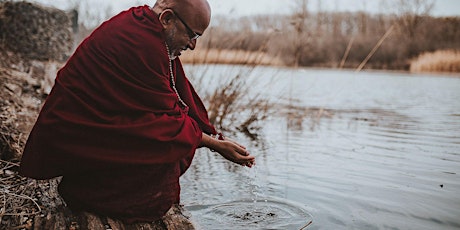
(122, 122)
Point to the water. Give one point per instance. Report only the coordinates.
(250, 214)
(367, 150)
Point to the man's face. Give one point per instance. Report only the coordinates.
(181, 37)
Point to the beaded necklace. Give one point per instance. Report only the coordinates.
(173, 82)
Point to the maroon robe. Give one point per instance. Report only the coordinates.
(113, 126)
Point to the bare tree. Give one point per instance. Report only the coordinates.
(409, 18)
(299, 22)
(411, 12)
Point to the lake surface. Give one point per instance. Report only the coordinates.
(344, 150)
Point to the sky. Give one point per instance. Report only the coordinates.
(251, 7)
(247, 7)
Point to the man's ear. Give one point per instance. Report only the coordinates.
(166, 18)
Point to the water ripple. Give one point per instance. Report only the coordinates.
(250, 214)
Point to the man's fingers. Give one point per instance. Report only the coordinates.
(248, 164)
(247, 161)
(243, 151)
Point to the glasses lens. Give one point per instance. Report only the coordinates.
(192, 35)
(195, 36)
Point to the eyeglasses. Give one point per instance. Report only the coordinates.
(191, 33)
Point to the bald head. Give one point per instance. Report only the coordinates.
(196, 12)
(183, 22)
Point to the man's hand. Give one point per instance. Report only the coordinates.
(230, 150)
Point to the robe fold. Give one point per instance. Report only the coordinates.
(114, 128)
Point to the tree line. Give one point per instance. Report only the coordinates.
(337, 39)
(322, 38)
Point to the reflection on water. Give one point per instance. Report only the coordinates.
(354, 151)
(250, 214)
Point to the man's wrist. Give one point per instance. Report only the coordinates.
(218, 136)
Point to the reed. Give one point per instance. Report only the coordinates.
(231, 108)
(234, 57)
(438, 61)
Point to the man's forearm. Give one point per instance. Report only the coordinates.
(209, 142)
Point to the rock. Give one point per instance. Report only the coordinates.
(35, 32)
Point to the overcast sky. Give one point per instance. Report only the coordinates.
(244, 7)
(248, 7)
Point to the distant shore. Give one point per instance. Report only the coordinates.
(443, 61)
(235, 57)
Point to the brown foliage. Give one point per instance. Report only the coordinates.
(439, 61)
(321, 39)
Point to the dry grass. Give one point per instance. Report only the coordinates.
(232, 109)
(22, 93)
(235, 57)
(438, 61)
(18, 197)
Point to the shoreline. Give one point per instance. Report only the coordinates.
(255, 58)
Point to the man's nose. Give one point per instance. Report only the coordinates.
(192, 44)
